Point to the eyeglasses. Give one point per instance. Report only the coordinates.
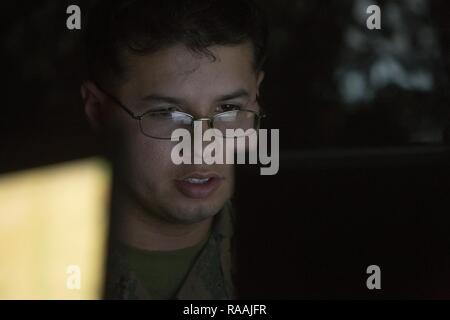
(162, 123)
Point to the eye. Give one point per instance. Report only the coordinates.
(227, 107)
(161, 113)
(166, 110)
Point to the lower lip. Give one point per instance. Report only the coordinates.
(198, 190)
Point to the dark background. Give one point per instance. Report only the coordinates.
(311, 231)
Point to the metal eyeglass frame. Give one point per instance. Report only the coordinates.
(193, 119)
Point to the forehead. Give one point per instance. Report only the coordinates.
(181, 72)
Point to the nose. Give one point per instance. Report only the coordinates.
(206, 123)
(197, 138)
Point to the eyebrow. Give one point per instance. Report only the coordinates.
(161, 98)
(240, 93)
(157, 98)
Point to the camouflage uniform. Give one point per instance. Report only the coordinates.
(209, 278)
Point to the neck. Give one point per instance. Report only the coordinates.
(137, 227)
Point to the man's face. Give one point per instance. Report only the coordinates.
(197, 85)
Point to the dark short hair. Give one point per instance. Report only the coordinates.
(146, 26)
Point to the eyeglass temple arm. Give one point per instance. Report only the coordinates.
(117, 101)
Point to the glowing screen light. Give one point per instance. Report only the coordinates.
(53, 231)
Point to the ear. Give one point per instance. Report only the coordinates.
(94, 105)
(259, 80)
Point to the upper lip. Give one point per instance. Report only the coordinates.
(201, 175)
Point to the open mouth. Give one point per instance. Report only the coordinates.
(199, 186)
(198, 180)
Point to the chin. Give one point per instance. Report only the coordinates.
(184, 207)
(193, 211)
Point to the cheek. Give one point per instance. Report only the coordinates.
(155, 155)
(150, 161)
